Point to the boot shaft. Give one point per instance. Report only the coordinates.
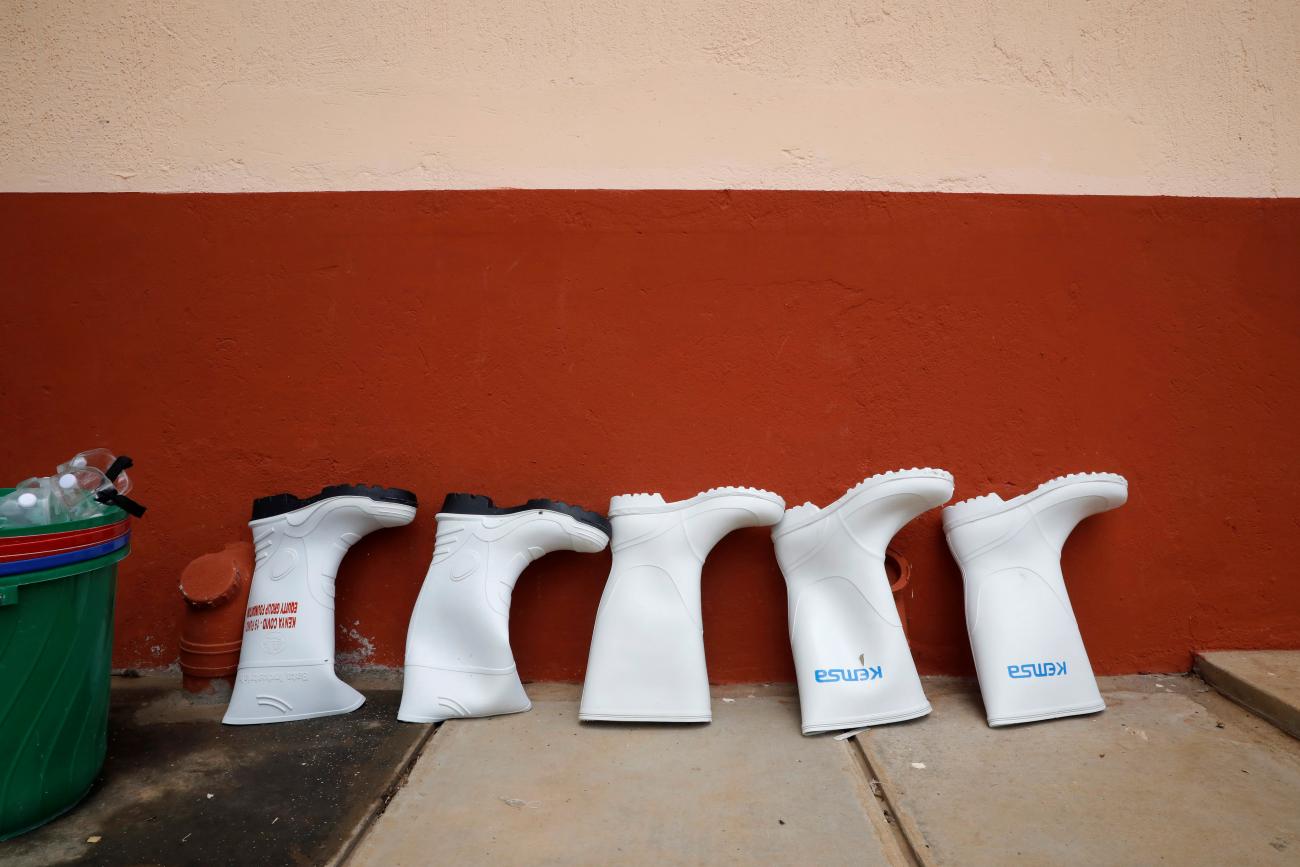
(987, 533)
(675, 538)
(297, 558)
(647, 650)
(286, 663)
(848, 538)
(852, 661)
(477, 560)
(458, 657)
(1028, 651)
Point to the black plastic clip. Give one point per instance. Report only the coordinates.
(115, 469)
(111, 497)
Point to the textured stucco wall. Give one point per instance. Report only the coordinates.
(582, 344)
(1161, 97)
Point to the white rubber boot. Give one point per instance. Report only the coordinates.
(1028, 652)
(286, 664)
(851, 658)
(647, 652)
(458, 657)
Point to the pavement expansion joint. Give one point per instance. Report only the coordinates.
(898, 823)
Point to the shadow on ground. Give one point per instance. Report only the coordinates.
(180, 788)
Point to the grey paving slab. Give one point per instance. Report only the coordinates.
(1170, 773)
(541, 788)
(1267, 682)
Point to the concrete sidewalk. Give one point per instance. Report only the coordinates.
(1170, 773)
(542, 788)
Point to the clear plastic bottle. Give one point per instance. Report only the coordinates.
(97, 459)
(30, 504)
(16, 508)
(71, 494)
(74, 494)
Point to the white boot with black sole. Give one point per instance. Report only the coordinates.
(286, 665)
(458, 657)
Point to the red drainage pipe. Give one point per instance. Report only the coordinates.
(904, 569)
(215, 587)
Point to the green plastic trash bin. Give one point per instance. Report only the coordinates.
(56, 645)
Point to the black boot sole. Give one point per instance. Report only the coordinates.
(279, 504)
(478, 504)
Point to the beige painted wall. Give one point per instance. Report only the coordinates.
(1198, 97)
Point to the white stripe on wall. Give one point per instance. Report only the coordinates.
(1111, 96)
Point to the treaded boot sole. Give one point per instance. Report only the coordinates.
(803, 515)
(654, 504)
(279, 504)
(975, 508)
(481, 504)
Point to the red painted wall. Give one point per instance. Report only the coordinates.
(582, 344)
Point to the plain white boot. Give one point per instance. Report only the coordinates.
(458, 657)
(647, 652)
(851, 658)
(1028, 652)
(286, 664)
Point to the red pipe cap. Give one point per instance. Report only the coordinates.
(213, 579)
